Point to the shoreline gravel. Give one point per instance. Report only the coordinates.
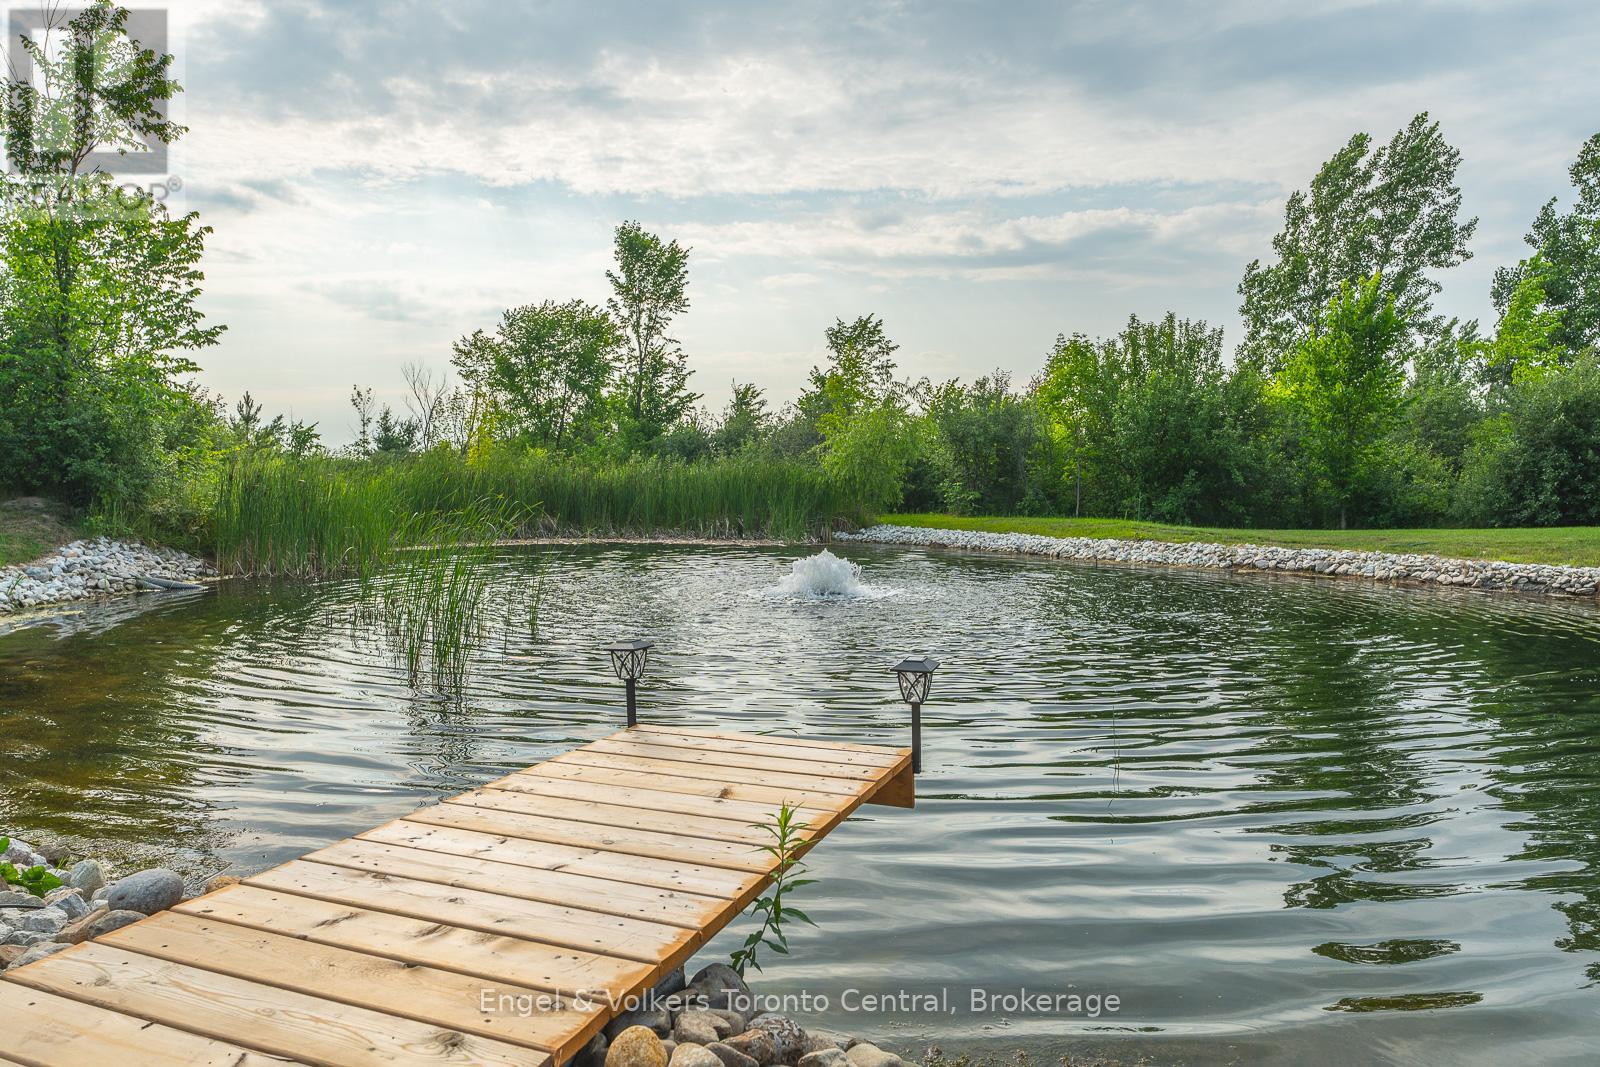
(84, 570)
(1540, 579)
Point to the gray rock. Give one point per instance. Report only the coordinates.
(865, 1055)
(593, 1054)
(687, 1055)
(96, 923)
(68, 900)
(737, 1024)
(756, 1044)
(657, 1020)
(147, 892)
(719, 986)
(12, 901)
(27, 938)
(822, 1040)
(54, 855)
(48, 921)
(827, 1057)
(39, 952)
(788, 1038)
(671, 982)
(730, 1057)
(700, 1027)
(88, 876)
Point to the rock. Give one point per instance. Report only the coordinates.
(25, 938)
(826, 1057)
(822, 1040)
(737, 1024)
(222, 881)
(668, 1046)
(39, 952)
(657, 1020)
(9, 954)
(146, 892)
(731, 1057)
(719, 986)
(865, 1055)
(788, 1039)
(12, 901)
(96, 923)
(47, 921)
(670, 983)
(87, 876)
(637, 1046)
(694, 1056)
(756, 1044)
(69, 900)
(701, 1027)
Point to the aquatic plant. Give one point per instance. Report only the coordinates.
(35, 880)
(786, 877)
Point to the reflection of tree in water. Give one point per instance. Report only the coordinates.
(102, 719)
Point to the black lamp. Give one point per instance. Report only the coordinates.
(628, 659)
(915, 674)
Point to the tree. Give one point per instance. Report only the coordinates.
(744, 420)
(1525, 344)
(1390, 212)
(985, 437)
(648, 288)
(98, 284)
(549, 369)
(425, 401)
(1346, 382)
(1567, 259)
(860, 371)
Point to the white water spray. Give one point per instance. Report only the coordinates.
(823, 576)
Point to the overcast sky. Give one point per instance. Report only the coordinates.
(384, 177)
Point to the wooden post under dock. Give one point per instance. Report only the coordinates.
(596, 872)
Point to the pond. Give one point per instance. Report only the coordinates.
(1274, 817)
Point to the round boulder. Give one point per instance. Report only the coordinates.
(637, 1046)
(146, 892)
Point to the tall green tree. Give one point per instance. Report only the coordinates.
(649, 287)
(1346, 383)
(1567, 259)
(860, 370)
(1390, 212)
(98, 283)
(1527, 342)
(547, 368)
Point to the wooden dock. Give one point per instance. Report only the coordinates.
(565, 887)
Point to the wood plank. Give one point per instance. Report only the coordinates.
(451, 840)
(736, 855)
(427, 994)
(553, 887)
(882, 758)
(499, 959)
(774, 738)
(769, 796)
(710, 828)
(640, 796)
(250, 1014)
(638, 745)
(46, 1030)
(492, 913)
(650, 767)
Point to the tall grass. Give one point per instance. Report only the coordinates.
(279, 516)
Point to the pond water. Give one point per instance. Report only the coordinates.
(1276, 818)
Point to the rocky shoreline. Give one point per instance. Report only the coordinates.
(1535, 578)
(715, 1020)
(84, 570)
(84, 905)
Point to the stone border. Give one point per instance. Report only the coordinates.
(85, 570)
(1535, 578)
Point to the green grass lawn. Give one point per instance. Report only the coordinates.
(1574, 545)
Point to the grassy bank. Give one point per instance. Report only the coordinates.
(31, 527)
(1570, 545)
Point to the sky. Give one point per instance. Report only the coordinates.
(383, 178)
